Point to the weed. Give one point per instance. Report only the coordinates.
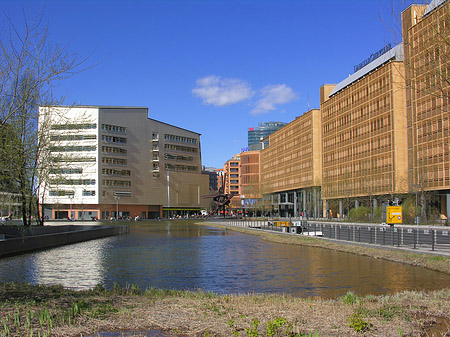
(358, 323)
(253, 330)
(350, 298)
(273, 326)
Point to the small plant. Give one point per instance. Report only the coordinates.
(357, 322)
(253, 331)
(350, 298)
(274, 325)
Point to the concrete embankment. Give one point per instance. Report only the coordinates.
(17, 239)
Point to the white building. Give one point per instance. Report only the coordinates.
(117, 162)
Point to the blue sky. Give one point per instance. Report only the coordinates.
(216, 67)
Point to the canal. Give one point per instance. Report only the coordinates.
(181, 255)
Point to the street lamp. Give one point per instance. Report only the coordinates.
(117, 206)
(348, 204)
(71, 202)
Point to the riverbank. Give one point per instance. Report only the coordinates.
(432, 262)
(54, 311)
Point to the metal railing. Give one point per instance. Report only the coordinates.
(415, 237)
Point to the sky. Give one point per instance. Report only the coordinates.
(215, 67)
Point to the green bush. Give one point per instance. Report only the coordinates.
(360, 214)
(358, 323)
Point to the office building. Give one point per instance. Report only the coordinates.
(364, 133)
(212, 177)
(426, 33)
(249, 181)
(115, 162)
(256, 135)
(231, 173)
(291, 169)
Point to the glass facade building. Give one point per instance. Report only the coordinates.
(255, 135)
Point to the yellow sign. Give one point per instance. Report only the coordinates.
(394, 214)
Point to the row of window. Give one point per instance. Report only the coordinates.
(114, 161)
(117, 183)
(76, 159)
(181, 167)
(112, 149)
(70, 193)
(169, 156)
(114, 139)
(72, 181)
(180, 148)
(74, 148)
(180, 139)
(72, 137)
(74, 126)
(114, 172)
(114, 128)
(67, 171)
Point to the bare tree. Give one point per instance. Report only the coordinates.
(30, 67)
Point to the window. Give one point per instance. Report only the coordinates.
(180, 148)
(180, 139)
(115, 150)
(88, 193)
(114, 172)
(67, 171)
(72, 181)
(169, 156)
(76, 159)
(54, 193)
(181, 167)
(114, 128)
(72, 137)
(114, 161)
(117, 183)
(77, 148)
(74, 126)
(114, 139)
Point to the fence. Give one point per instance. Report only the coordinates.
(415, 237)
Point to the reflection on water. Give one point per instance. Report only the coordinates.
(181, 255)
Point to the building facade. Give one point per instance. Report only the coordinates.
(212, 177)
(256, 135)
(426, 34)
(231, 173)
(115, 162)
(291, 168)
(249, 182)
(364, 134)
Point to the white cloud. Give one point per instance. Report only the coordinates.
(222, 91)
(271, 96)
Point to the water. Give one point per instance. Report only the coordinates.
(181, 255)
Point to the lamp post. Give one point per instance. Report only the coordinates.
(71, 202)
(348, 204)
(117, 206)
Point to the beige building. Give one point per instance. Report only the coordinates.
(231, 173)
(364, 133)
(249, 181)
(291, 168)
(116, 162)
(426, 34)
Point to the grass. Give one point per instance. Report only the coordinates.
(28, 310)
